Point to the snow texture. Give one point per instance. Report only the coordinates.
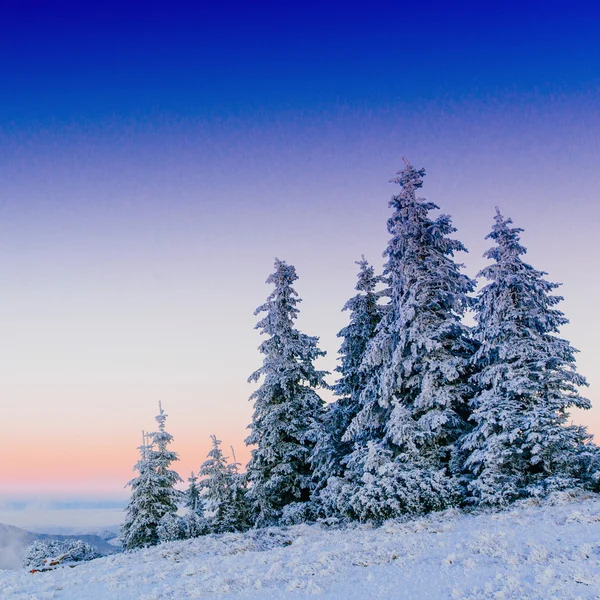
(531, 551)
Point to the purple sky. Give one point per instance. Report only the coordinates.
(142, 204)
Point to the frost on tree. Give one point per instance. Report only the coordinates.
(223, 492)
(333, 448)
(287, 408)
(192, 495)
(162, 458)
(525, 374)
(414, 405)
(153, 490)
(48, 554)
(171, 528)
(142, 516)
(193, 522)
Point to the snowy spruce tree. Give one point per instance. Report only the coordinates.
(143, 512)
(162, 458)
(414, 403)
(223, 493)
(239, 515)
(193, 522)
(287, 408)
(333, 446)
(522, 444)
(153, 491)
(192, 495)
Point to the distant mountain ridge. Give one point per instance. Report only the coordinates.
(14, 541)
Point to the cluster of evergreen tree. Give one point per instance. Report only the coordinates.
(216, 503)
(429, 413)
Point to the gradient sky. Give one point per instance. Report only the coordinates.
(154, 159)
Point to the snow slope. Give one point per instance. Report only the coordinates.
(530, 551)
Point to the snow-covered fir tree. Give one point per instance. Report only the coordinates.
(522, 443)
(214, 487)
(171, 528)
(192, 495)
(166, 493)
(239, 506)
(143, 512)
(414, 404)
(162, 457)
(153, 491)
(193, 522)
(332, 447)
(222, 492)
(287, 408)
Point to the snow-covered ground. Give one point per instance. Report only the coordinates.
(529, 551)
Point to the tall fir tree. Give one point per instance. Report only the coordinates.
(414, 404)
(526, 379)
(223, 492)
(333, 446)
(287, 408)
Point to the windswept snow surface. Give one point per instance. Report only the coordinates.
(530, 551)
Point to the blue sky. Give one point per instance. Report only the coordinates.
(65, 62)
(154, 159)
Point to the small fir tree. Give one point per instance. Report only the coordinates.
(192, 495)
(193, 523)
(239, 511)
(222, 492)
(153, 492)
(287, 408)
(526, 379)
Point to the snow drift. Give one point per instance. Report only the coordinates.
(531, 551)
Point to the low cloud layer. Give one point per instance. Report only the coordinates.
(21, 519)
